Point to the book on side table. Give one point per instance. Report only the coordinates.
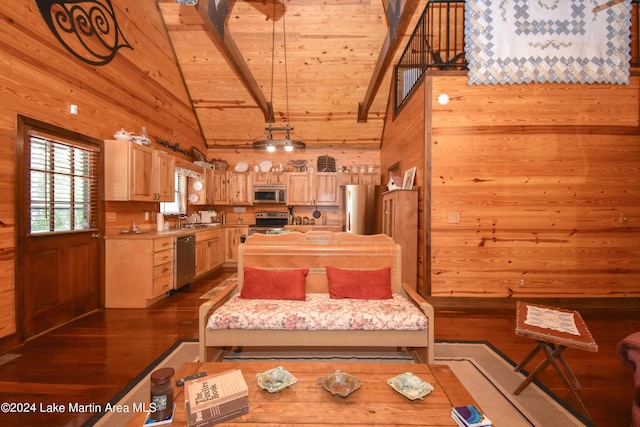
(216, 398)
(469, 416)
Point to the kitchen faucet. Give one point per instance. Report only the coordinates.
(179, 225)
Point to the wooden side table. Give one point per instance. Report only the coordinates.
(554, 329)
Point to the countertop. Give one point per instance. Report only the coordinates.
(173, 232)
(153, 234)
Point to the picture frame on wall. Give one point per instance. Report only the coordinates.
(409, 177)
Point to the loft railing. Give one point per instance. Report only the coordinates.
(437, 43)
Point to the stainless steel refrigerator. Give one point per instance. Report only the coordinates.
(362, 209)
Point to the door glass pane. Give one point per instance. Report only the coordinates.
(63, 186)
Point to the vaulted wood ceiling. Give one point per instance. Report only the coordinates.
(339, 57)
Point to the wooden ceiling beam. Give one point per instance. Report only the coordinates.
(215, 20)
(399, 13)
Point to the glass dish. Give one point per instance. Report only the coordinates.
(275, 379)
(340, 383)
(410, 386)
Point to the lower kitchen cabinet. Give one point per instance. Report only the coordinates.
(138, 271)
(233, 237)
(209, 250)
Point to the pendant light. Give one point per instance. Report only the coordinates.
(270, 144)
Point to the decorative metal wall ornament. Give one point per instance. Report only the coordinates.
(88, 29)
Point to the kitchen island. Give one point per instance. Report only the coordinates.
(140, 267)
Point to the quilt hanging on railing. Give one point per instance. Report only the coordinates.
(535, 41)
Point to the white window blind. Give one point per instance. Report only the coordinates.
(179, 204)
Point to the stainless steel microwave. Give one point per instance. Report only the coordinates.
(269, 194)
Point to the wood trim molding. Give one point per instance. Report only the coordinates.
(398, 17)
(215, 20)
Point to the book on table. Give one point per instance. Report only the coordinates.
(216, 398)
(469, 416)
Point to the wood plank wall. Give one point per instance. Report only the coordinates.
(403, 142)
(40, 79)
(546, 181)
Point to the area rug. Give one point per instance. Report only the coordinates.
(568, 41)
(486, 373)
(214, 291)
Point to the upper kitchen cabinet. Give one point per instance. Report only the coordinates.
(137, 172)
(307, 189)
(217, 187)
(327, 189)
(229, 188)
(240, 186)
(299, 189)
(269, 178)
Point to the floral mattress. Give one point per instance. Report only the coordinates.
(319, 312)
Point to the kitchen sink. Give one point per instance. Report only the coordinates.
(200, 225)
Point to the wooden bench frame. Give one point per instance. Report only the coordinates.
(315, 251)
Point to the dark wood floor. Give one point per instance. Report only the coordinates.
(89, 360)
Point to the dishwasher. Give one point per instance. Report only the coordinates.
(185, 260)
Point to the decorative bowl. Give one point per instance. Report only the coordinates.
(340, 382)
(410, 386)
(122, 135)
(241, 167)
(275, 379)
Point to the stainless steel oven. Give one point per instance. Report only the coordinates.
(269, 194)
(269, 223)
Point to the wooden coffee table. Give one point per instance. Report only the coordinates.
(307, 403)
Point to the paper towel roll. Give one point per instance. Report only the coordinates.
(159, 222)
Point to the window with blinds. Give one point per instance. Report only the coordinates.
(63, 185)
(179, 204)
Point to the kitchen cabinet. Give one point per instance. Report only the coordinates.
(232, 238)
(269, 178)
(400, 222)
(240, 188)
(218, 187)
(348, 178)
(230, 188)
(137, 172)
(138, 271)
(299, 189)
(370, 178)
(326, 189)
(308, 189)
(209, 250)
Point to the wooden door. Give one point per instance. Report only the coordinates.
(58, 227)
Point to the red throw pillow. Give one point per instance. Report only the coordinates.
(267, 284)
(359, 284)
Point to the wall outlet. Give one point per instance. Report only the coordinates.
(522, 283)
(453, 217)
(146, 216)
(110, 217)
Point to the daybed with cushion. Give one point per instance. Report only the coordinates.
(317, 289)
